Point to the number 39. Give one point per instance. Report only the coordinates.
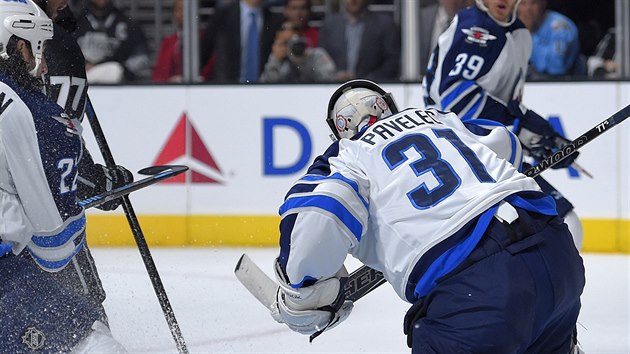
(469, 67)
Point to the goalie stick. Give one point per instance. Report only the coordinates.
(134, 224)
(156, 174)
(365, 279)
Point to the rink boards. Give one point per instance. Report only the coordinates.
(245, 146)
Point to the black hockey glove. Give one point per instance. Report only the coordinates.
(537, 136)
(115, 177)
(99, 179)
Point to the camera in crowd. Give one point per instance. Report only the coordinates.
(297, 45)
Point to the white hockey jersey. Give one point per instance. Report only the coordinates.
(40, 148)
(397, 192)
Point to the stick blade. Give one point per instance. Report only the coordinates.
(154, 170)
(257, 282)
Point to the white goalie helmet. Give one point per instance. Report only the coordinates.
(482, 6)
(355, 105)
(24, 19)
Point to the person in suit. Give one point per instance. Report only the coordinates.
(369, 47)
(226, 38)
(434, 19)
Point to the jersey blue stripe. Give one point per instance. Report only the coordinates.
(456, 92)
(5, 249)
(545, 205)
(59, 264)
(338, 176)
(328, 204)
(473, 110)
(63, 237)
(454, 256)
(300, 284)
(513, 142)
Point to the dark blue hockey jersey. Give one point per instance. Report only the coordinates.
(40, 148)
(478, 66)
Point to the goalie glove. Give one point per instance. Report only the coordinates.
(312, 309)
(537, 136)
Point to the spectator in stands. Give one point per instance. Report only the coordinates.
(363, 44)
(291, 61)
(115, 47)
(298, 12)
(435, 19)
(555, 41)
(240, 35)
(168, 65)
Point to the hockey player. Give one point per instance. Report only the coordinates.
(478, 70)
(40, 148)
(67, 85)
(457, 231)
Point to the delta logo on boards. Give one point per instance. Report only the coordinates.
(185, 147)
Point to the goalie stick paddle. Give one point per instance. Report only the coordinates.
(159, 173)
(138, 236)
(256, 281)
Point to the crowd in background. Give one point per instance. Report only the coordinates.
(278, 41)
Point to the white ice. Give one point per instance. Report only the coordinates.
(217, 315)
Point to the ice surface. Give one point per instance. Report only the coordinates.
(217, 315)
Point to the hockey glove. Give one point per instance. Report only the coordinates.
(311, 309)
(537, 135)
(98, 179)
(115, 177)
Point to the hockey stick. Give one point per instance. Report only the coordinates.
(365, 279)
(137, 234)
(157, 173)
(578, 143)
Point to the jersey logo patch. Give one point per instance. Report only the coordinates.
(33, 338)
(63, 118)
(478, 35)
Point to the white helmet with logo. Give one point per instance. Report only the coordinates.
(24, 19)
(355, 105)
(507, 23)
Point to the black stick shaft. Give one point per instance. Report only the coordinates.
(138, 235)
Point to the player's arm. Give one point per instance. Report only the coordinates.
(33, 198)
(469, 100)
(537, 135)
(323, 217)
(499, 138)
